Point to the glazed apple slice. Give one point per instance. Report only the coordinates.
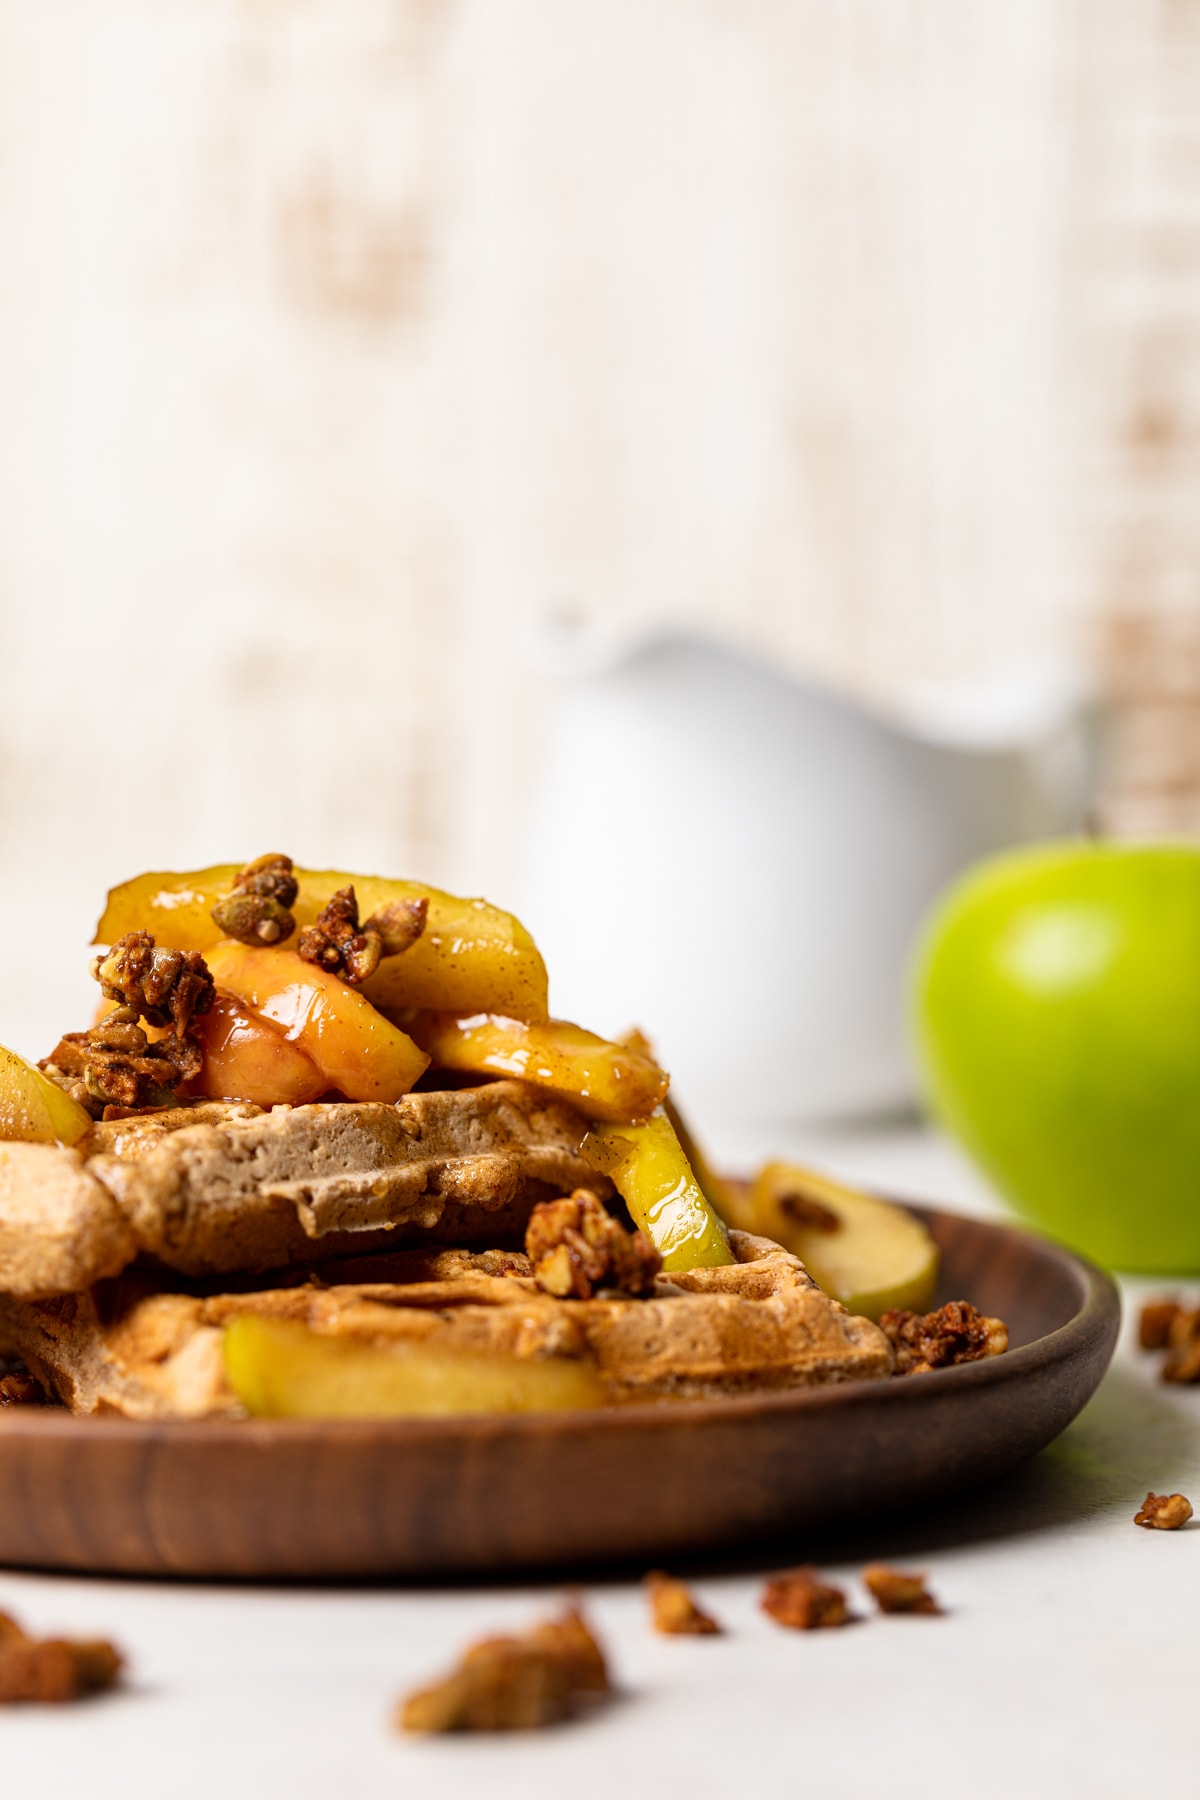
(657, 1183)
(471, 956)
(356, 1050)
(863, 1251)
(246, 1057)
(281, 1369)
(33, 1109)
(604, 1080)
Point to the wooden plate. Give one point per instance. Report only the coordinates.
(284, 1498)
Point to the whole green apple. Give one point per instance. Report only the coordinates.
(1058, 1018)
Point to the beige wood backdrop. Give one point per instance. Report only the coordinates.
(339, 339)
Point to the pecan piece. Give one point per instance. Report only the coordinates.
(164, 987)
(258, 911)
(801, 1602)
(576, 1246)
(1163, 1512)
(18, 1388)
(1155, 1322)
(337, 942)
(52, 1670)
(955, 1333)
(894, 1592)
(513, 1683)
(674, 1612)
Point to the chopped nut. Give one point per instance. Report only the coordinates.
(802, 1209)
(673, 1610)
(955, 1333)
(338, 943)
(115, 1064)
(164, 987)
(513, 1683)
(803, 1603)
(258, 911)
(894, 1592)
(1154, 1326)
(1163, 1512)
(52, 1670)
(576, 1246)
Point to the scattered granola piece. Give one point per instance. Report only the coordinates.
(802, 1209)
(894, 1592)
(17, 1388)
(513, 1683)
(674, 1612)
(337, 942)
(164, 987)
(803, 1603)
(52, 1670)
(1182, 1361)
(115, 1064)
(1154, 1325)
(955, 1333)
(576, 1246)
(1163, 1512)
(258, 911)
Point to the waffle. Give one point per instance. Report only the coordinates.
(131, 1347)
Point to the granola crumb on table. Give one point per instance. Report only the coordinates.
(674, 1612)
(896, 1592)
(53, 1670)
(955, 1333)
(576, 1247)
(513, 1683)
(1155, 1322)
(1181, 1365)
(801, 1602)
(1163, 1512)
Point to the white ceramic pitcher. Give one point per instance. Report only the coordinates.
(739, 862)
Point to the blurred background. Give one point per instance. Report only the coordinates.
(345, 343)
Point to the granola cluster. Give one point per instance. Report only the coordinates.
(1167, 1325)
(258, 911)
(803, 1603)
(53, 1670)
(116, 1064)
(577, 1247)
(673, 1609)
(1163, 1512)
(514, 1683)
(955, 1333)
(337, 942)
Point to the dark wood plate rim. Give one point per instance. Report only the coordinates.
(1096, 1317)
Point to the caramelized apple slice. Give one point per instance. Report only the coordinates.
(863, 1251)
(656, 1182)
(33, 1110)
(354, 1047)
(605, 1081)
(248, 1058)
(471, 957)
(281, 1369)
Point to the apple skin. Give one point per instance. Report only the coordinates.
(1057, 1006)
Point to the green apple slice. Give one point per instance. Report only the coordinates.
(33, 1109)
(279, 1368)
(865, 1252)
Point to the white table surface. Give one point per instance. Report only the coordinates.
(1066, 1662)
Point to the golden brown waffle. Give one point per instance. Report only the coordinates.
(129, 1347)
